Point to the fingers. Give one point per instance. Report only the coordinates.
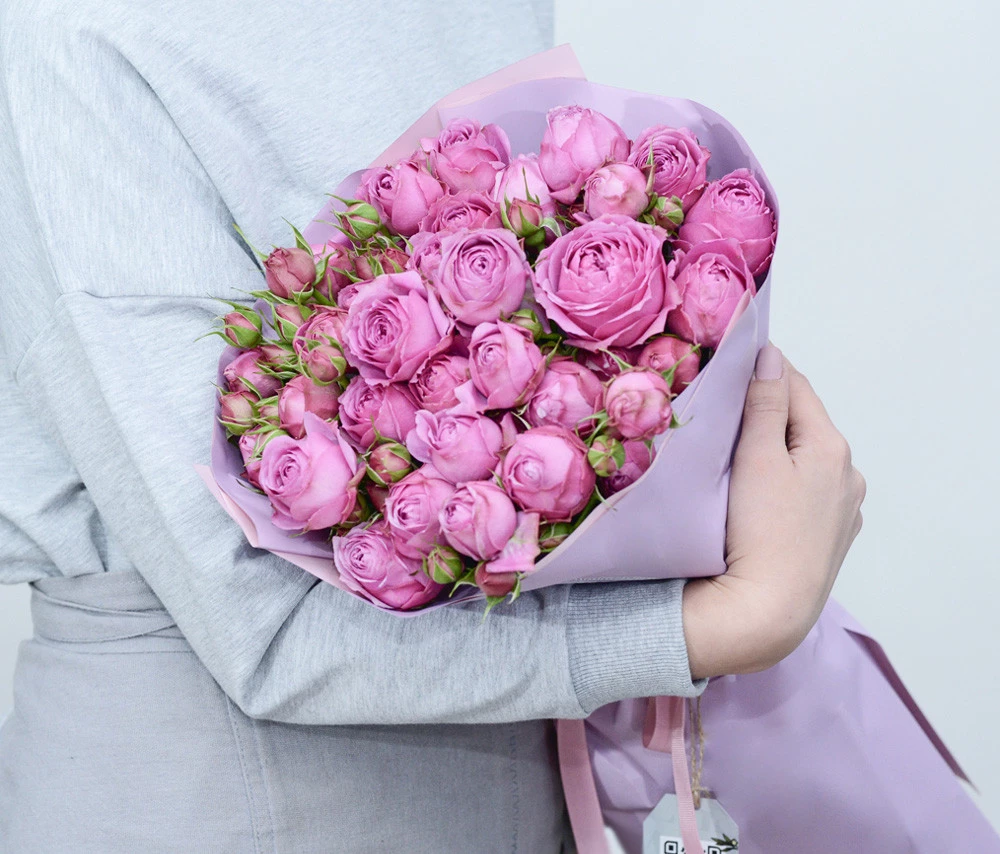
(808, 421)
(765, 414)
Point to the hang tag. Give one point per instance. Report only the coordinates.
(661, 831)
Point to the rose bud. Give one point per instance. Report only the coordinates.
(679, 163)
(527, 319)
(251, 446)
(617, 188)
(734, 206)
(606, 456)
(289, 271)
(369, 411)
(567, 396)
(468, 156)
(387, 259)
(638, 404)
(312, 481)
(483, 274)
(288, 318)
(317, 344)
(608, 363)
(377, 495)
(577, 141)
(244, 373)
(370, 566)
(667, 353)
(338, 271)
(517, 557)
(712, 279)
(462, 210)
(553, 535)
(525, 220)
(505, 363)
(388, 463)
(478, 519)
(496, 585)
(435, 383)
(302, 395)
(638, 458)
(401, 194)
(360, 220)
(269, 414)
(444, 565)
(237, 411)
(278, 357)
(461, 446)
(606, 283)
(242, 328)
(412, 511)
(546, 471)
(425, 256)
(360, 515)
(522, 181)
(393, 325)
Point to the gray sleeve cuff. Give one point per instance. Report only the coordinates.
(626, 639)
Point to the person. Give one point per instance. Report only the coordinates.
(184, 691)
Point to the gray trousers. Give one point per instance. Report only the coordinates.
(121, 741)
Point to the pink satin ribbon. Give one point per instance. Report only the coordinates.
(663, 730)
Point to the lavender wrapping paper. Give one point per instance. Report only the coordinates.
(825, 753)
(671, 523)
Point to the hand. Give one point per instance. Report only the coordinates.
(794, 510)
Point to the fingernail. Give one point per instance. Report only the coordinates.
(770, 364)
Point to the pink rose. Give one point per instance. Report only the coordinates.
(374, 262)
(462, 210)
(483, 274)
(461, 445)
(712, 279)
(302, 395)
(679, 166)
(606, 283)
(412, 510)
(546, 471)
(617, 188)
(339, 268)
(402, 194)
(370, 566)
(242, 327)
(568, 396)
(367, 409)
(638, 458)
(478, 519)
(638, 404)
(251, 446)
(522, 181)
(665, 351)
(393, 325)
(577, 141)
(289, 271)
(506, 364)
(312, 481)
(518, 554)
(426, 255)
(608, 363)
(468, 156)
(237, 411)
(734, 206)
(317, 343)
(435, 383)
(244, 373)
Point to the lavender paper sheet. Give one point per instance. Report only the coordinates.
(669, 524)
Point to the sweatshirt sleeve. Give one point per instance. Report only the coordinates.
(122, 244)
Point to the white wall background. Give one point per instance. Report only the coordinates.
(877, 124)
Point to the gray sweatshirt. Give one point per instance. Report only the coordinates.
(132, 136)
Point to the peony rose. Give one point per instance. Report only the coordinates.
(606, 283)
(483, 274)
(302, 395)
(462, 210)
(394, 324)
(680, 163)
(244, 373)
(665, 351)
(289, 271)
(369, 565)
(369, 410)
(567, 396)
(402, 194)
(617, 188)
(317, 343)
(546, 471)
(412, 510)
(734, 206)
(712, 279)
(478, 519)
(339, 267)
(505, 363)
(425, 256)
(638, 458)
(522, 181)
(638, 404)
(435, 383)
(577, 141)
(468, 156)
(312, 481)
(461, 445)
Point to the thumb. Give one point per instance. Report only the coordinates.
(765, 414)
